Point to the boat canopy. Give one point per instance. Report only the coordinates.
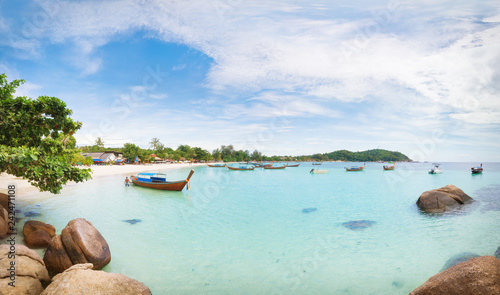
(149, 174)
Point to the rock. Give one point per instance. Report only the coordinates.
(37, 239)
(4, 201)
(38, 234)
(23, 285)
(33, 225)
(358, 224)
(479, 275)
(4, 222)
(79, 242)
(497, 253)
(459, 258)
(30, 271)
(56, 259)
(443, 199)
(132, 221)
(81, 279)
(309, 210)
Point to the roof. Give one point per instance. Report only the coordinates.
(151, 174)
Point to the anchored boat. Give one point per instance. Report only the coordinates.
(435, 169)
(477, 170)
(240, 168)
(355, 168)
(388, 167)
(317, 171)
(159, 181)
(217, 165)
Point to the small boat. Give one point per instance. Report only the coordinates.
(355, 168)
(477, 170)
(243, 168)
(159, 181)
(435, 169)
(274, 167)
(292, 165)
(263, 165)
(387, 167)
(317, 163)
(317, 171)
(217, 165)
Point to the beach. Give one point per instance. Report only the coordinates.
(25, 188)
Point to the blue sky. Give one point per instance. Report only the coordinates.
(283, 77)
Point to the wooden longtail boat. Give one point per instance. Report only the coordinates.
(240, 168)
(217, 165)
(293, 165)
(275, 167)
(477, 170)
(317, 171)
(317, 163)
(263, 165)
(159, 181)
(355, 168)
(387, 167)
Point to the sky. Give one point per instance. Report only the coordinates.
(282, 77)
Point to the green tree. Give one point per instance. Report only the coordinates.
(29, 145)
(100, 144)
(88, 161)
(154, 143)
(130, 151)
(77, 159)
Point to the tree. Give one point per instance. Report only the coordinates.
(130, 151)
(29, 145)
(154, 143)
(88, 161)
(77, 159)
(99, 143)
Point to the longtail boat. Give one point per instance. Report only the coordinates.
(159, 181)
(317, 163)
(317, 171)
(217, 165)
(263, 165)
(477, 170)
(355, 168)
(387, 167)
(293, 165)
(275, 167)
(240, 168)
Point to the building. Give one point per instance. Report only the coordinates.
(105, 157)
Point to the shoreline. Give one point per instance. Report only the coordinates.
(24, 188)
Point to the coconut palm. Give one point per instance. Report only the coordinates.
(100, 143)
(154, 143)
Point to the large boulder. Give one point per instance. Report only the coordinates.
(79, 242)
(37, 234)
(479, 275)
(80, 279)
(4, 201)
(443, 199)
(30, 271)
(4, 222)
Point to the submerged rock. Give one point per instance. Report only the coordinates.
(459, 258)
(132, 221)
(32, 214)
(497, 253)
(309, 210)
(443, 199)
(479, 275)
(358, 224)
(81, 279)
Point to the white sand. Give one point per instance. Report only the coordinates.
(23, 187)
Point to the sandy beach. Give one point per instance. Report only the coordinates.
(24, 187)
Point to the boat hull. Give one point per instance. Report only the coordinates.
(294, 165)
(270, 167)
(387, 168)
(166, 185)
(241, 169)
(216, 166)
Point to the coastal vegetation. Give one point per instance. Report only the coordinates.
(36, 139)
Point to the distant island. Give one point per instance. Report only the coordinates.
(364, 156)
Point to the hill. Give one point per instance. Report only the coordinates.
(364, 156)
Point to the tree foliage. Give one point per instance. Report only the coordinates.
(30, 144)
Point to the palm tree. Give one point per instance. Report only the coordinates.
(154, 143)
(99, 142)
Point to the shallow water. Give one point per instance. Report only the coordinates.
(246, 232)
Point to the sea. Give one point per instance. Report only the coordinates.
(282, 231)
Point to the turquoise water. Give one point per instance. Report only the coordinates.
(244, 232)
